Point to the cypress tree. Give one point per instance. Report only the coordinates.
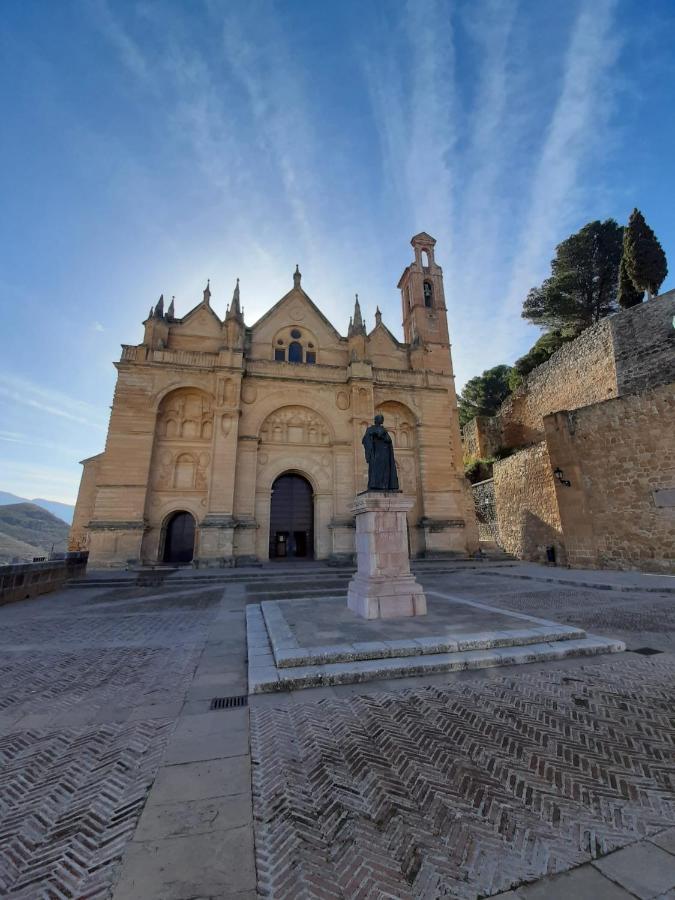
(628, 295)
(645, 260)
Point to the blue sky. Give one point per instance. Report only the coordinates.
(147, 146)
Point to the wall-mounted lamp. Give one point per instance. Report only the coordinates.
(558, 472)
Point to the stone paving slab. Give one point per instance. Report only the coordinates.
(323, 630)
(265, 676)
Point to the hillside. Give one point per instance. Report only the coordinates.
(62, 510)
(27, 530)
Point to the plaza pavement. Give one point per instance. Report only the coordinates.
(541, 781)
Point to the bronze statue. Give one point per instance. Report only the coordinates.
(379, 449)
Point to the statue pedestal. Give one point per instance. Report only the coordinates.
(383, 586)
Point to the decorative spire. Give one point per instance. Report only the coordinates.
(159, 309)
(296, 277)
(169, 311)
(207, 291)
(378, 317)
(152, 312)
(234, 309)
(356, 325)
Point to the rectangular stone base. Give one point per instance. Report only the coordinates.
(385, 598)
(383, 587)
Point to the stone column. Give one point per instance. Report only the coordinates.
(383, 586)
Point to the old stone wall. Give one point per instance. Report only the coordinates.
(619, 511)
(625, 353)
(526, 505)
(24, 580)
(644, 344)
(482, 436)
(580, 373)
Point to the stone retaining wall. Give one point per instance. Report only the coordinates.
(526, 506)
(625, 353)
(20, 581)
(619, 511)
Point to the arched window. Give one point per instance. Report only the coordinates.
(428, 294)
(295, 352)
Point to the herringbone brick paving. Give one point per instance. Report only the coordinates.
(462, 791)
(69, 802)
(71, 793)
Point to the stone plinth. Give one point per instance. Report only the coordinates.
(383, 586)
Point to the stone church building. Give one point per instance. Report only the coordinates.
(231, 443)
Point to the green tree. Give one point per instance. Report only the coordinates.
(628, 295)
(645, 260)
(539, 353)
(582, 287)
(483, 394)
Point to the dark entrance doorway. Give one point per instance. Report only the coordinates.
(179, 542)
(292, 518)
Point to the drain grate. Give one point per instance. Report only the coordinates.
(229, 702)
(646, 651)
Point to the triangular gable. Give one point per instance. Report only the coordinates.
(381, 335)
(296, 295)
(200, 320)
(423, 236)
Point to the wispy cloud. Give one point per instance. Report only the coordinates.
(575, 131)
(26, 393)
(38, 443)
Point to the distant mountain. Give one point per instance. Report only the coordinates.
(62, 510)
(27, 530)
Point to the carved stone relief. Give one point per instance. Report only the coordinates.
(186, 414)
(294, 425)
(249, 393)
(342, 400)
(226, 423)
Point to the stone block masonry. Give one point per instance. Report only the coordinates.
(620, 459)
(628, 352)
(25, 580)
(526, 505)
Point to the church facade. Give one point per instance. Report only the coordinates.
(229, 444)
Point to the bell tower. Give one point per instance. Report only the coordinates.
(425, 323)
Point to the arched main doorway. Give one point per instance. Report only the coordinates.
(179, 540)
(292, 518)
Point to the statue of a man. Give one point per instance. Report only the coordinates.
(379, 449)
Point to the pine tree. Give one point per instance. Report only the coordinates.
(582, 286)
(628, 295)
(645, 260)
(483, 394)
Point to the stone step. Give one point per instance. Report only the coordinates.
(270, 679)
(316, 589)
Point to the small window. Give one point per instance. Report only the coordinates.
(310, 357)
(295, 352)
(428, 295)
(296, 334)
(279, 341)
(280, 355)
